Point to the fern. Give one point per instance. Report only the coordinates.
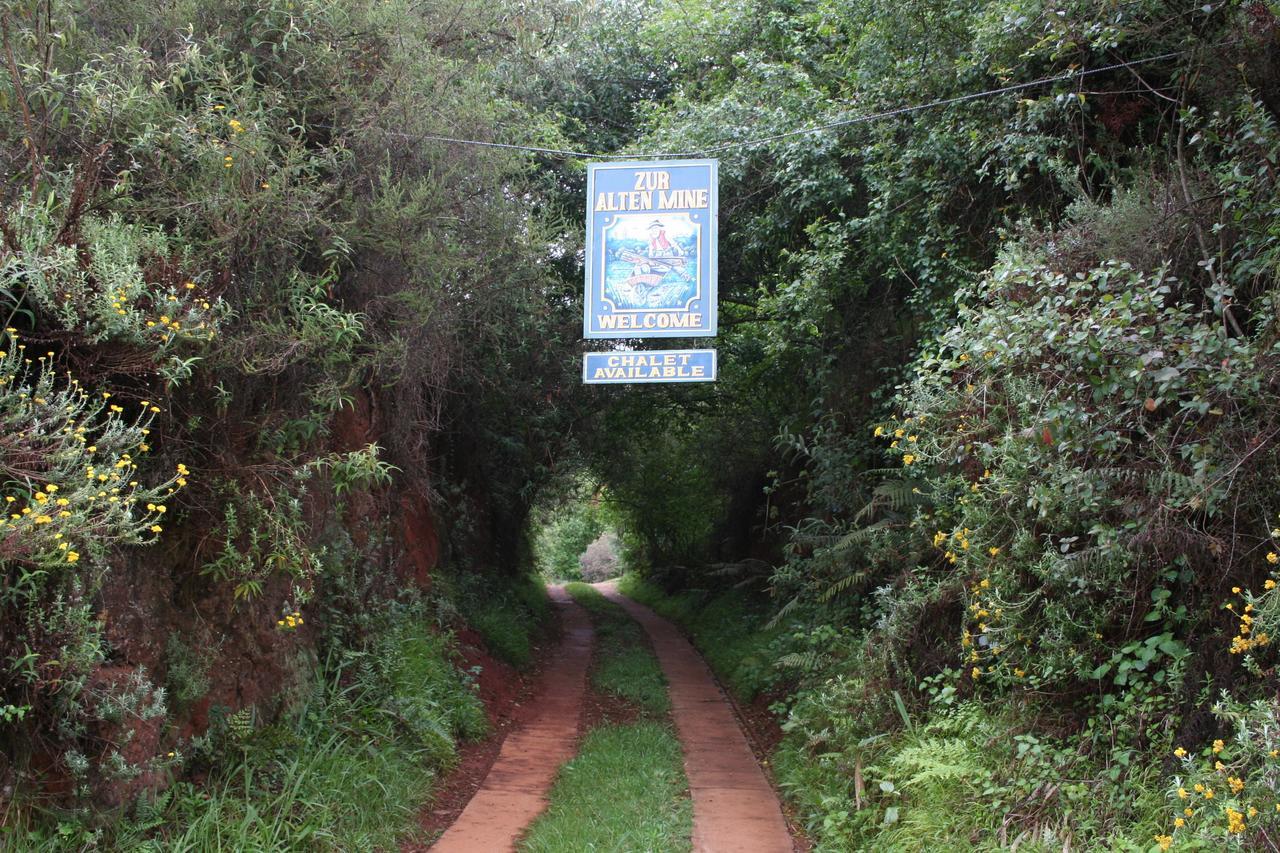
(1084, 559)
(150, 811)
(804, 661)
(881, 472)
(240, 724)
(900, 494)
(783, 611)
(843, 585)
(1161, 481)
(857, 537)
(937, 762)
(748, 573)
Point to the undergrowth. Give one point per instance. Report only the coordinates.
(509, 615)
(346, 769)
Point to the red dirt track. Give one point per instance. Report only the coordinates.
(734, 808)
(514, 792)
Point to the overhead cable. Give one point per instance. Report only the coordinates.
(820, 128)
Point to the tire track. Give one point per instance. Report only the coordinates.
(514, 792)
(735, 810)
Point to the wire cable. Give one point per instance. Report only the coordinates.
(820, 128)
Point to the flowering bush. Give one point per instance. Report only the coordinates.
(73, 486)
(1070, 437)
(1078, 524)
(118, 281)
(1226, 792)
(71, 465)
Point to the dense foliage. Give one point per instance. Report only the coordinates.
(255, 320)
(983, 501)
(998, 405)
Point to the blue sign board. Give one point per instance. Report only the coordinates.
(651, 249)
(677, 365)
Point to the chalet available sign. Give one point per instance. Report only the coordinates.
(651, 249)
(612, 368)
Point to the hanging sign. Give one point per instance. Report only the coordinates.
(651, 249)
(678, 365)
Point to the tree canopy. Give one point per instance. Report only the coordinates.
(993, 448)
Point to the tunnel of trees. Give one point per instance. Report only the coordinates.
(983, 506)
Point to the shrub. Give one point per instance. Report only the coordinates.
(564, 537)
(507, 612)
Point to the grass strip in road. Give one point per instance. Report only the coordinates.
(626, 791)
(625, 666)
(728, 629)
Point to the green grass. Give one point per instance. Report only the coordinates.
(506, 635)
(348, 769)
(508, 615)
(626, 791)
(727, 629)
(624, 666)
